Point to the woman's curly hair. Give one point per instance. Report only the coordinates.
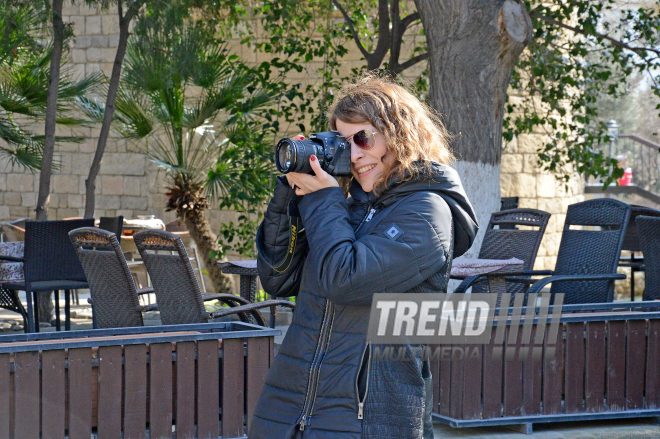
(411, 128)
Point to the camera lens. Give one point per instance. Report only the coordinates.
(293, 155)
(284, 157)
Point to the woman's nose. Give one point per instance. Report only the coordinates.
(356, 152)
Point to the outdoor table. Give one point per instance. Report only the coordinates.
(495, 271)
(248, 272)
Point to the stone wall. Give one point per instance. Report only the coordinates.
(129, 185)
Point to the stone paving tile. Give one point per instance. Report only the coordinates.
(607, 429)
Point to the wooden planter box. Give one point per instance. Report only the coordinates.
(607, 365)
(198, 381)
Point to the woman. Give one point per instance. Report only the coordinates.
(406, 216)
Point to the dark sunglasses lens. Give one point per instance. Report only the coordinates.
(364, 139)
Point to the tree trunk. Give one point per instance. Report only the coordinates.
(43, 300)
(113, 86)
(473, 47)
(201, 233)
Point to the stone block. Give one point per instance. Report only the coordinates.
(112, 185)
(157, 201)
(100, 55)
(78, 22)
(3, 182)
(132, 186)
(75, 201)
(67, 213)
(92, 68)
(106, 67)
(511, 163)
(77, 70)
(107, 202)
(113, 40)
(123, 164)
(100, 41)
(29, 199)
(4, 213)
(70, 9)
(93, 25)
(12, 199)
(125, 213)
(66, 184)
(528, 203)
(16, 212)
(522, 185)
(88, 145)
(83, 41)
(53, 201)
(505, 184)
(530, 163)
(552, 244)
(110, 24)
(134, 203)
(530, 143)
(546, 185)
(542, 251)
(551, 205)
(87, 10)
(20, 182)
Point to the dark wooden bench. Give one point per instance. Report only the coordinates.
(197, 380)
(606, 365)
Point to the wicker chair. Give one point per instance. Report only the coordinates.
(649, 232)
(114, 298)
(177, 291)
(631, 243)
(503, 241)
(50, 264)
(114, 224)
(588, 254)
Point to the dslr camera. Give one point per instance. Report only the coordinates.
(330, 148)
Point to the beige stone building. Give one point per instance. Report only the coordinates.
(130, 185)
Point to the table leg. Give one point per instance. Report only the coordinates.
(497, 285)
(35, 300)
(30, 312)
(58, 324)
(248, 287)
(632, 277)
(67, 310)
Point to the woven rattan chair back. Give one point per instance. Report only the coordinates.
(114, 224)
(111, 285)
(503, 240)
(649, 233)
(591, 244)
(49, 254)
(177, 291)
(631, 241)
(12, 233)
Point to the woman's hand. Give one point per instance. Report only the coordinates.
(306, 183)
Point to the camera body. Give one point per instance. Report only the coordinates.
(331, 149)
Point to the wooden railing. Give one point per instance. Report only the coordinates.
(194, 381)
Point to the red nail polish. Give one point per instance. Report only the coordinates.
(313, 158)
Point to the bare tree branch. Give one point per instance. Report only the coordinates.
(407, 21)
(614, 41)
(348, 20)
(412, 61)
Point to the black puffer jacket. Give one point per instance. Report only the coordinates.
(323, 380)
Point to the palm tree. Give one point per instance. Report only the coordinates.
(194, 110)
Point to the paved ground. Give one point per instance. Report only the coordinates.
(610, 429)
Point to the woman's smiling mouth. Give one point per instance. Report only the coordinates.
(363, 170)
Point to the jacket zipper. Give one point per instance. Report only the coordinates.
(362, 400)
(321, 347)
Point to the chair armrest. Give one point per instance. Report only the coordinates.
(226, 298)
(538, 285)
(148, 290)
(150, 307)
(468, 282)
(253, 308)
(11, 259)
(538, 273)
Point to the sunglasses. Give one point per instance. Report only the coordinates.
(364, 139)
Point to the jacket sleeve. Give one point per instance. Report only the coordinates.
(402, 251)
(281, 244)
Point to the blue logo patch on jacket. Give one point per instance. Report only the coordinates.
(393, 232)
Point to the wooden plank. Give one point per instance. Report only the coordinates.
(26, 395)
(653, 365)
(257, 370)
(553, 373)
(185, 390)
(574, 387)
(595, 367)
(5, 396)
(635, 364)
(135, 393)
(513, 376)
(444, 384)
(532, 379)
(616, 366)
(456, 385)
(492, 379)
(110, 389)
(52, 390)
(160, 390)
(232, 387)
(80, 393)
(472, 382)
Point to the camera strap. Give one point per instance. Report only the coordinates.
(295, 228)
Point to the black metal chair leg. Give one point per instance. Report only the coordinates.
(67, 310)
(35, 301)
(58, 324)
(273, 310)
(29, 327)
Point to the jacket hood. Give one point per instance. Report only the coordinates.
(434, 177)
